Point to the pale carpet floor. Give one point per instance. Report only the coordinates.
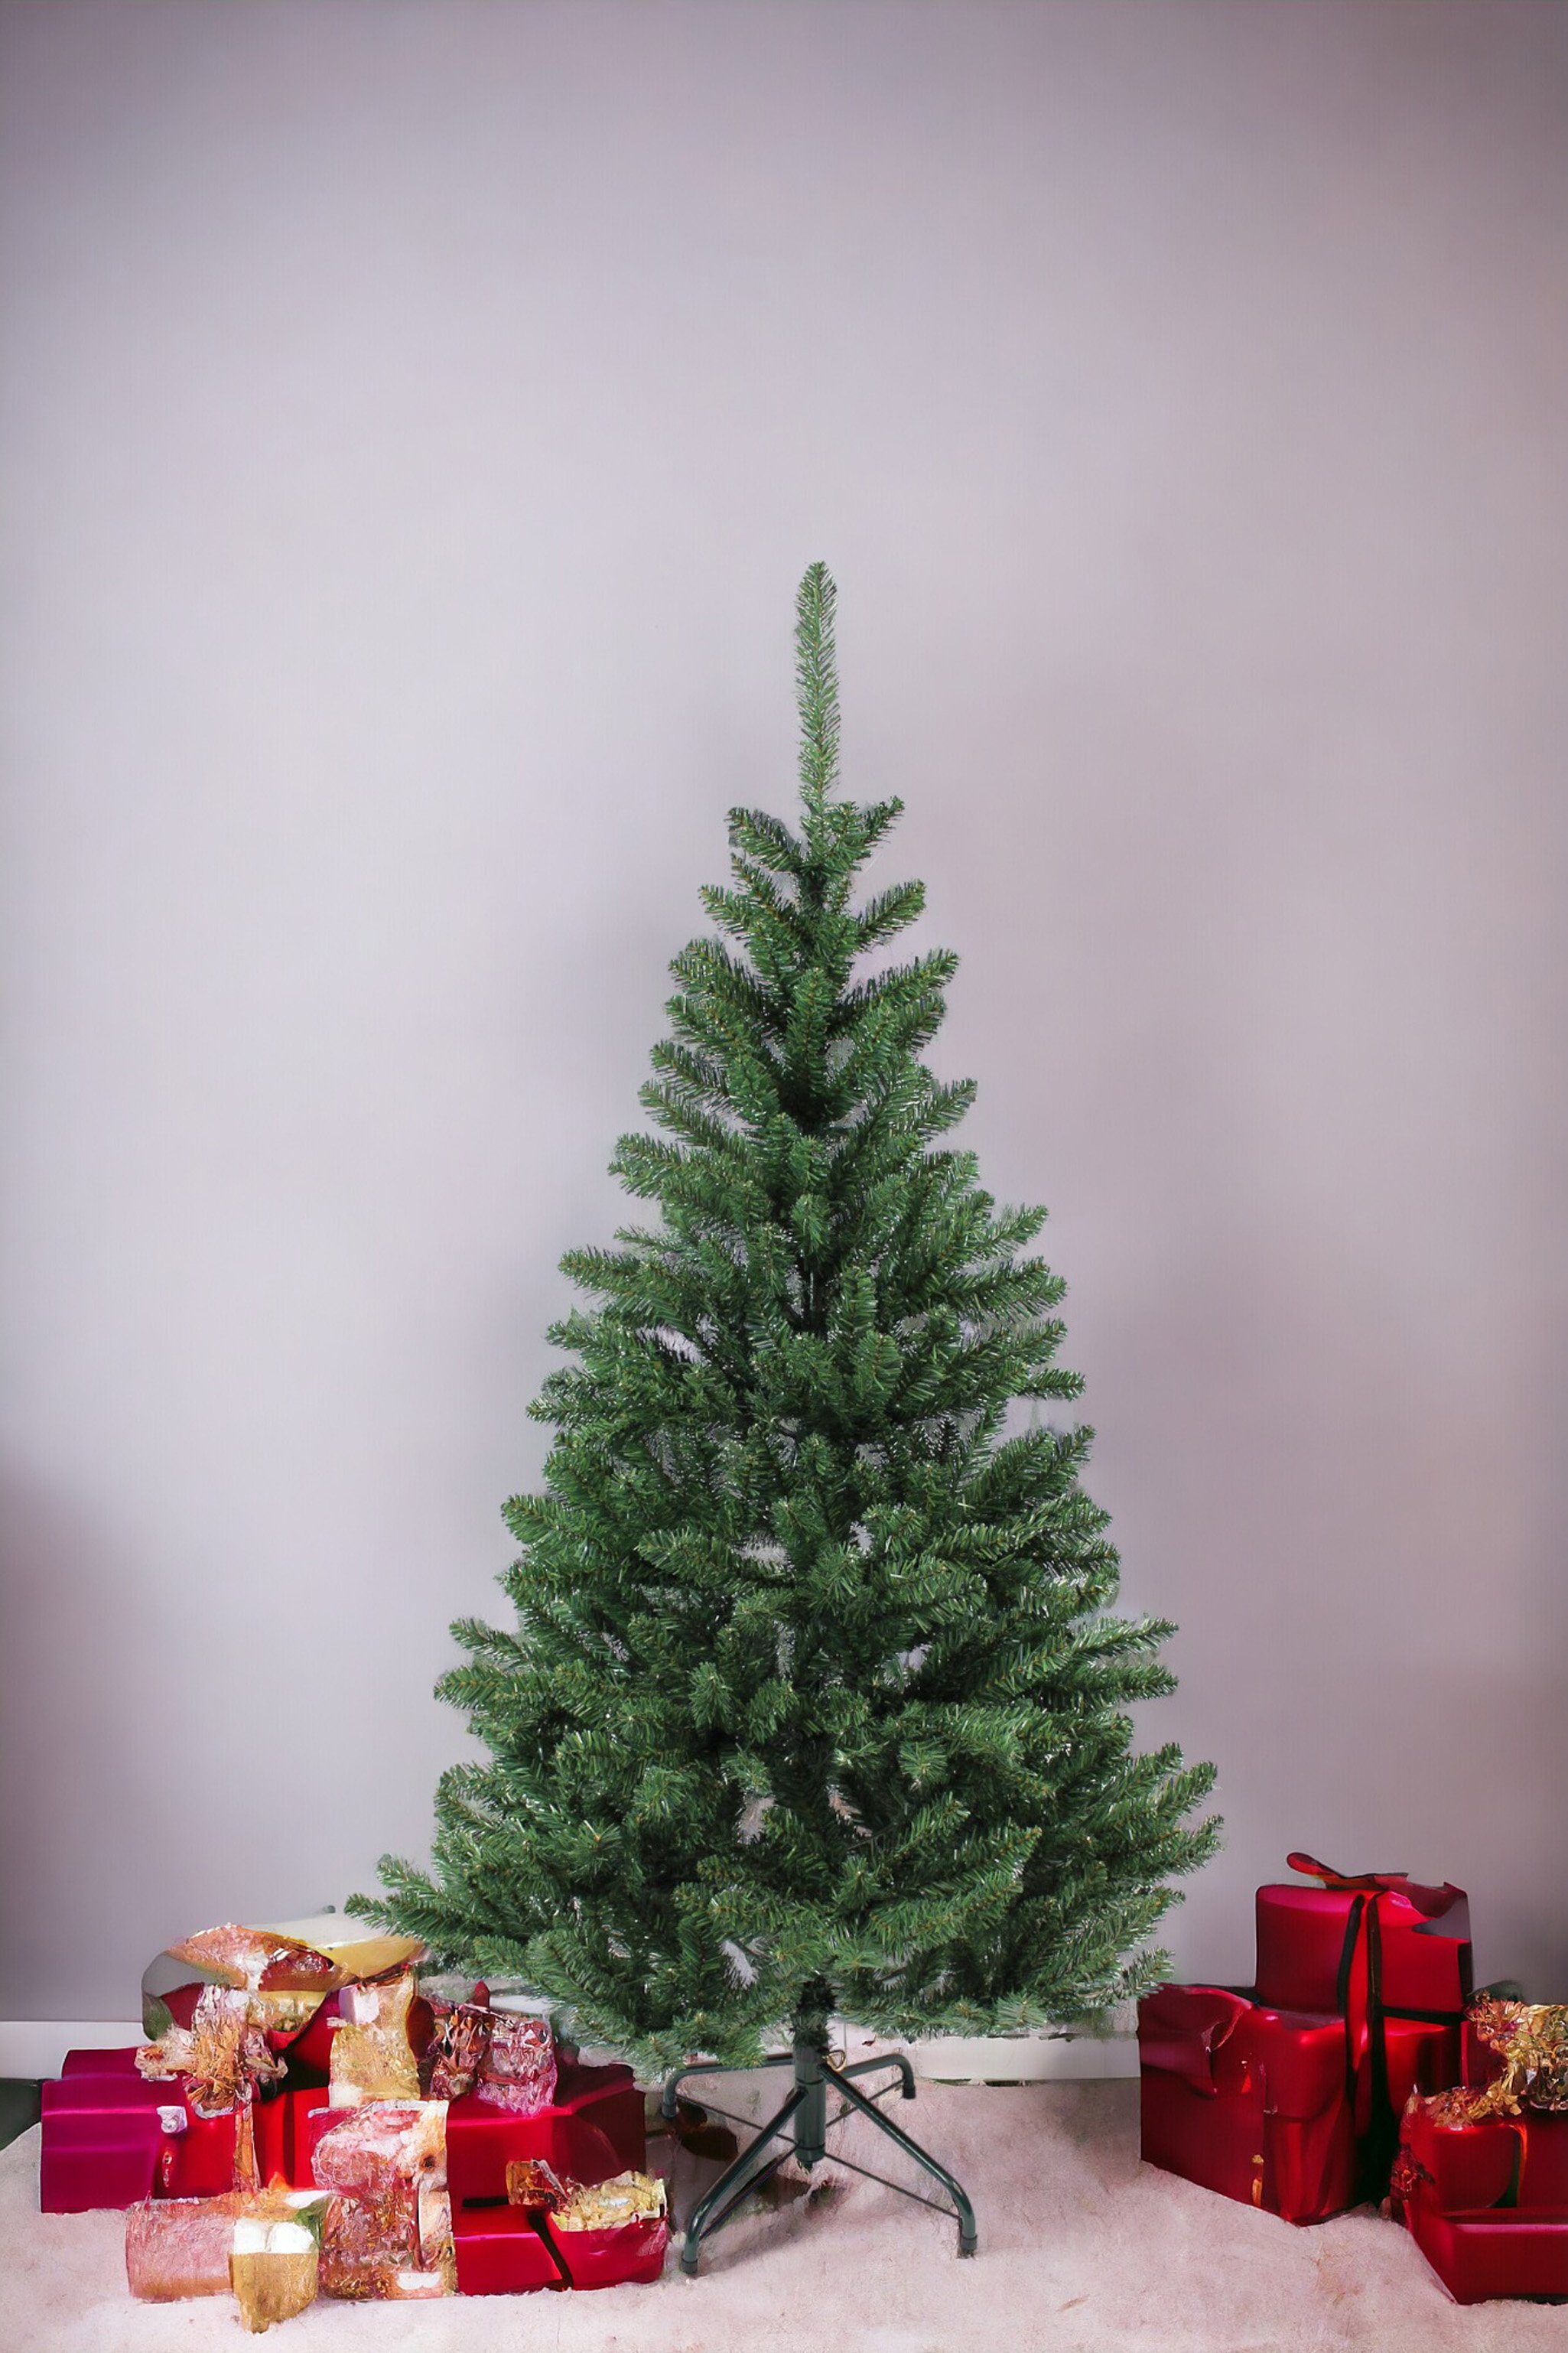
(1082, 2250)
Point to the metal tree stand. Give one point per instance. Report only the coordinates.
(800, 2129)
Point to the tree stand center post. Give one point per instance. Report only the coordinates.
(800, 2128)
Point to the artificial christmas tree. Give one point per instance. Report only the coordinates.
(814, 1703)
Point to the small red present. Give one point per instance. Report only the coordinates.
(503, 2237)
(1481, 2177)
(504, 2251)
(611, 2233)
(629, 2252)
(593, 2128)
(1487, 2202)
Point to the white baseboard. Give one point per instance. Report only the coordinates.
(35, 2047)
(1012, 2058)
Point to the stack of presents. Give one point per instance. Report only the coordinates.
(303, 2119)
(1361, 2065)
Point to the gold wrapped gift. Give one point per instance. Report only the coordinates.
(274, 2271)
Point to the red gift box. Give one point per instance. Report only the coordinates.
(1284, 2094)
(1487, 2201)
(631, 2251)
(595, 2127)
(119, 2061)
(1249, 2101)
(502, 2251)
(199, 2161)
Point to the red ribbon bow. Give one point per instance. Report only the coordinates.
(1377, 1880)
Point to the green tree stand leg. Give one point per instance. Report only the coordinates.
(807, 2111)
(749, 2171)
(968, 2237)
(667, 2106)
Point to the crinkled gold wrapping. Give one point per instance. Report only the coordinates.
(1531, 2040)
(372, 2057)
(270, 2286)
(606, 2205)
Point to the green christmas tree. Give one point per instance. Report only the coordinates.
(814, 1701)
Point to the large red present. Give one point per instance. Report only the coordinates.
(1284, 2094)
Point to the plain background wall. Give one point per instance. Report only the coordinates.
(414, 420)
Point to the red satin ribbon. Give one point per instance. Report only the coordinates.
(1379, 1881)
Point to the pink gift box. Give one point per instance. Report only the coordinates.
(102, 2140)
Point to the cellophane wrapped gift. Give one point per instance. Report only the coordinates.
(370, 2244)
(363, 2147)
(518, 2072)
(178, 2247)
(457, 2049)
(371, 2055)
(388, 2231)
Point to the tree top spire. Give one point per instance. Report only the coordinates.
(816, 686)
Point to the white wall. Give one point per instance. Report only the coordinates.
(414, 419)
